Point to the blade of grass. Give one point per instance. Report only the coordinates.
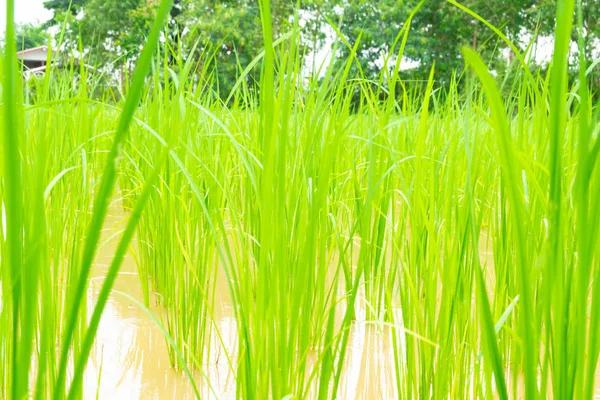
(14, 205)
(107, 185)
(510, 169)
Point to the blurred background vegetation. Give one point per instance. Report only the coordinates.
(109, 34)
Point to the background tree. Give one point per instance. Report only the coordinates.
(30, 35)
(60, 8)
(111, 31)
(438, 31)
(541, 15)
(231, 30)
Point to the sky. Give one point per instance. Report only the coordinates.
(25, 11)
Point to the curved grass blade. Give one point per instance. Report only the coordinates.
(170, 340)
(107, 186)
(510, 169)
(110, 280)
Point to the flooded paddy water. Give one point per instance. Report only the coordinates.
(130, 358)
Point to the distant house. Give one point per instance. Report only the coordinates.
(34, 60)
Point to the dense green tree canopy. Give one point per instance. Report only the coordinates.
(61, 7)
(541, 15)
(439, 29)
(231, 30)
(30, 35)
(112, 30)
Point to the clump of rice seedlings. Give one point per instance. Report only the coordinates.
(421, 212)
(51, 230)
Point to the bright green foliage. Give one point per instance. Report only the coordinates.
(113, 30)
(47, 246)
(29, 36)
(439, 30)
(311, 209)
(460, 226)
(61, 8)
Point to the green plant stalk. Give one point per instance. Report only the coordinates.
(563, 379)
(364, 187)
(13, 205)
(107, 185)
(528, 324)
(584, 381)
(489, 331)
(109, 281)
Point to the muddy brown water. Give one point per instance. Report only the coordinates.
(130, 359)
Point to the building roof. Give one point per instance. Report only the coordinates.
(34, 49)
(34, 54)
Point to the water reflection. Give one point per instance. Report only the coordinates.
(130, 358)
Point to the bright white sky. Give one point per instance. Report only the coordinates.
(25, 11)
